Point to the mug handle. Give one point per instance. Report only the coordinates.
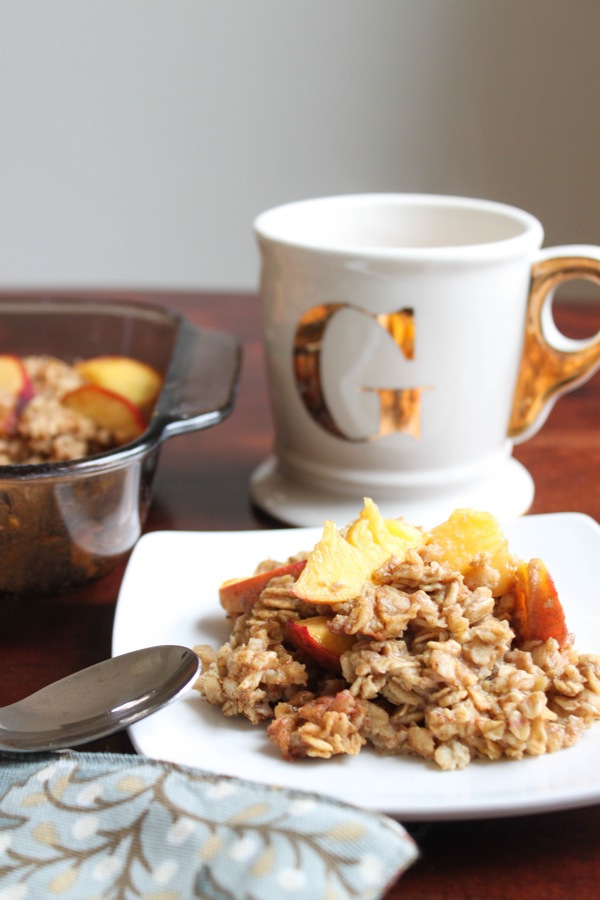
(551, 363)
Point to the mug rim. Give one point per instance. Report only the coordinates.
(275, 224)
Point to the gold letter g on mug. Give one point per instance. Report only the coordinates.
(399, 408)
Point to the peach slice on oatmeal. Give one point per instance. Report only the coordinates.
(538, 613)
(238, 595)
(378, 538)
(465, 535)
(313, 636)
(338, 566)
(108, 410)
(137, 381)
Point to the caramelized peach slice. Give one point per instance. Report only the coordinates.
(238, 595)
(338, 566)
(538, 613)
(135, 380)
(108, 410)
(317, 641)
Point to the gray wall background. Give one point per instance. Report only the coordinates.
(140, 138)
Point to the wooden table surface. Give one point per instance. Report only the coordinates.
(202, 484)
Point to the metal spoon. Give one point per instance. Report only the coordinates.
(98, 701)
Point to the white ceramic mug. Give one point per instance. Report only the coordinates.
(409, 343)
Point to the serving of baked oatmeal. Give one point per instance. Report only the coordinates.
(440, 644)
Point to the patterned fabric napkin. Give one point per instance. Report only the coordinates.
(92, 825)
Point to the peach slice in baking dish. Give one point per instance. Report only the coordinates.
(15, 390)
(13, 377)
(137, 381)
(108, 410)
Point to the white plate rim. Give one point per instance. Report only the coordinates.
(533, 785)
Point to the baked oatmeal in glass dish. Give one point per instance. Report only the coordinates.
(440, 644)
(79, 459)
(54, 411)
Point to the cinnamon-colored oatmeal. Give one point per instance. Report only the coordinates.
(443, 663)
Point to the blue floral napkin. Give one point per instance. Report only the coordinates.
(92, 825)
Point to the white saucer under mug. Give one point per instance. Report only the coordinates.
(507, 493)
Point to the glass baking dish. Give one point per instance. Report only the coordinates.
(65, 523)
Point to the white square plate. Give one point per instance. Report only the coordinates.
(169, 596)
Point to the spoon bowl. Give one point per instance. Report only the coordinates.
(98, 701)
